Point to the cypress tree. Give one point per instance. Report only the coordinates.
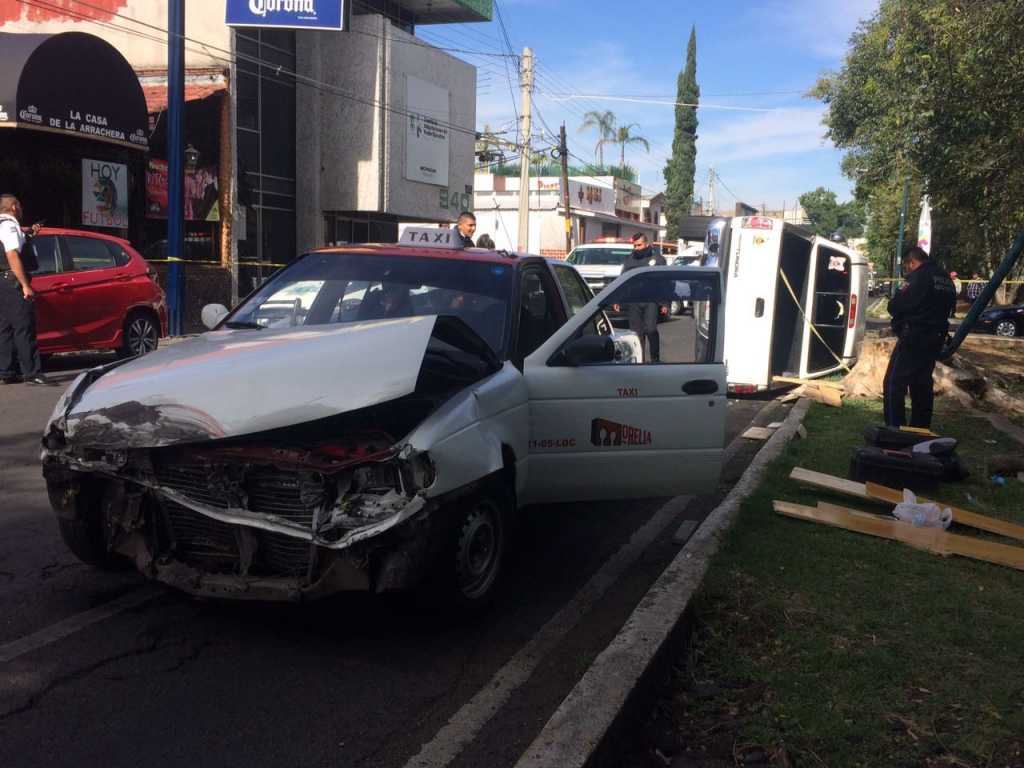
(682, 166)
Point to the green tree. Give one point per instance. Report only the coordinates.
(604, 123)
(930, 92)
(829, 217)
(682, 166)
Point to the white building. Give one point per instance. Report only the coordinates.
(601, 206)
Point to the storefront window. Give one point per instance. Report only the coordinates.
(266, 155)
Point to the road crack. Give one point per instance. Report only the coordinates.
(152, 646)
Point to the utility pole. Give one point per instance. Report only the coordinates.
(526, 82)
(563, 152)
(712, 203)
(899, 240)
(175, 164)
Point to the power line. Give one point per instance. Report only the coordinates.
(573, 97)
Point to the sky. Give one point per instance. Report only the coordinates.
(759, 56)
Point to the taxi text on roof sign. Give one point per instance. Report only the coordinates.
(430, 237)
(297, 14)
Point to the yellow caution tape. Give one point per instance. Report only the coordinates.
(814, 330)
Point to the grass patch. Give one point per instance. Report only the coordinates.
(834, 648)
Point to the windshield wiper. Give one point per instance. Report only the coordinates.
(239, 324)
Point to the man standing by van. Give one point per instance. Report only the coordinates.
(17, 313)
(920, 317)
(643, 318)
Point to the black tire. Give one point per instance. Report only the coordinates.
(475, 559)
(80, 520)
(141, 334)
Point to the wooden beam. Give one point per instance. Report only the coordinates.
(880, 493)
(830, 483)
(934, 540)
(812, 382)
(758, 433)
(960, 516)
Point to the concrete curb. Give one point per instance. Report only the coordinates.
(581, 733)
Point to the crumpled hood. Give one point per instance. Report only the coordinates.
(238, 382)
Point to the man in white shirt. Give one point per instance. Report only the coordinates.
(17, 313)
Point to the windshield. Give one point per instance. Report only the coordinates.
(599, 256)
(325, 288)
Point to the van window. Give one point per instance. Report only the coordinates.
(599, 256)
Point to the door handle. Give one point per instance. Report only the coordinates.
(700, 387)
(62, 287)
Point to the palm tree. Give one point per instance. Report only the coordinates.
(604, 122)
(623, 136)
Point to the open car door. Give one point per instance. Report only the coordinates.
(608, 426)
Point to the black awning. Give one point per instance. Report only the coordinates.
(72, 83)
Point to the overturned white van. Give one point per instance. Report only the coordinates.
(794, 301)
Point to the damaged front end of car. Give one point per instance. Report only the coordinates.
(294, 512)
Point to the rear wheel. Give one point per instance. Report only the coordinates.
(1006, 328)
(141, 335)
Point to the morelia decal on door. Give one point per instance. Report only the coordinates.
(610, 433)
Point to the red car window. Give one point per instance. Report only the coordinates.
(90, 253)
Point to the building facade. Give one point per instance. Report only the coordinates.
(599, 207)
(297, 138)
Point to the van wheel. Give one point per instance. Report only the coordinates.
(479, 542)
(141, 335)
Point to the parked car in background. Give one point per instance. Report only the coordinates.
(94, 291)
(1002, 321)
(601, 262)
(388, 429)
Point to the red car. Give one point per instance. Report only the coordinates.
(94, 291)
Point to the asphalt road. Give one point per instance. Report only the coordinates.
(356, 680)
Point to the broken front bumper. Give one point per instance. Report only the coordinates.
(244, 529)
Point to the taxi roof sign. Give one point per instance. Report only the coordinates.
(430, 237)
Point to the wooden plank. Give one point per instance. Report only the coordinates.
(933, 540)
(758, 433)
(813, 382)
(880, 493)
(775, 425)
(960, 516)
(830, 483)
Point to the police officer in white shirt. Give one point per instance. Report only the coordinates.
(17, 313)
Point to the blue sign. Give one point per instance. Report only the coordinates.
(295, 14)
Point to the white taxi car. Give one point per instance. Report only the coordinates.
(418, 397)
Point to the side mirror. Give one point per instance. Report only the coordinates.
(212, 315)
(588, 350)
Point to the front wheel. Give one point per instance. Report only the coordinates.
(141, 335)
(1006, 328)
(480, 538)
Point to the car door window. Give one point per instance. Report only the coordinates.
(43, 255)
(576, 292)
(121, 257)
(640, 312)
(88, 253)
(539, 315)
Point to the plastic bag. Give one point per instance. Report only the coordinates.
(922, 515)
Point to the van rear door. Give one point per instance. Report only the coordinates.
(827, 309)
(857, 323)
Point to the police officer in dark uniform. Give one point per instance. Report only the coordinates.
(643, 318)
(920, 317)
